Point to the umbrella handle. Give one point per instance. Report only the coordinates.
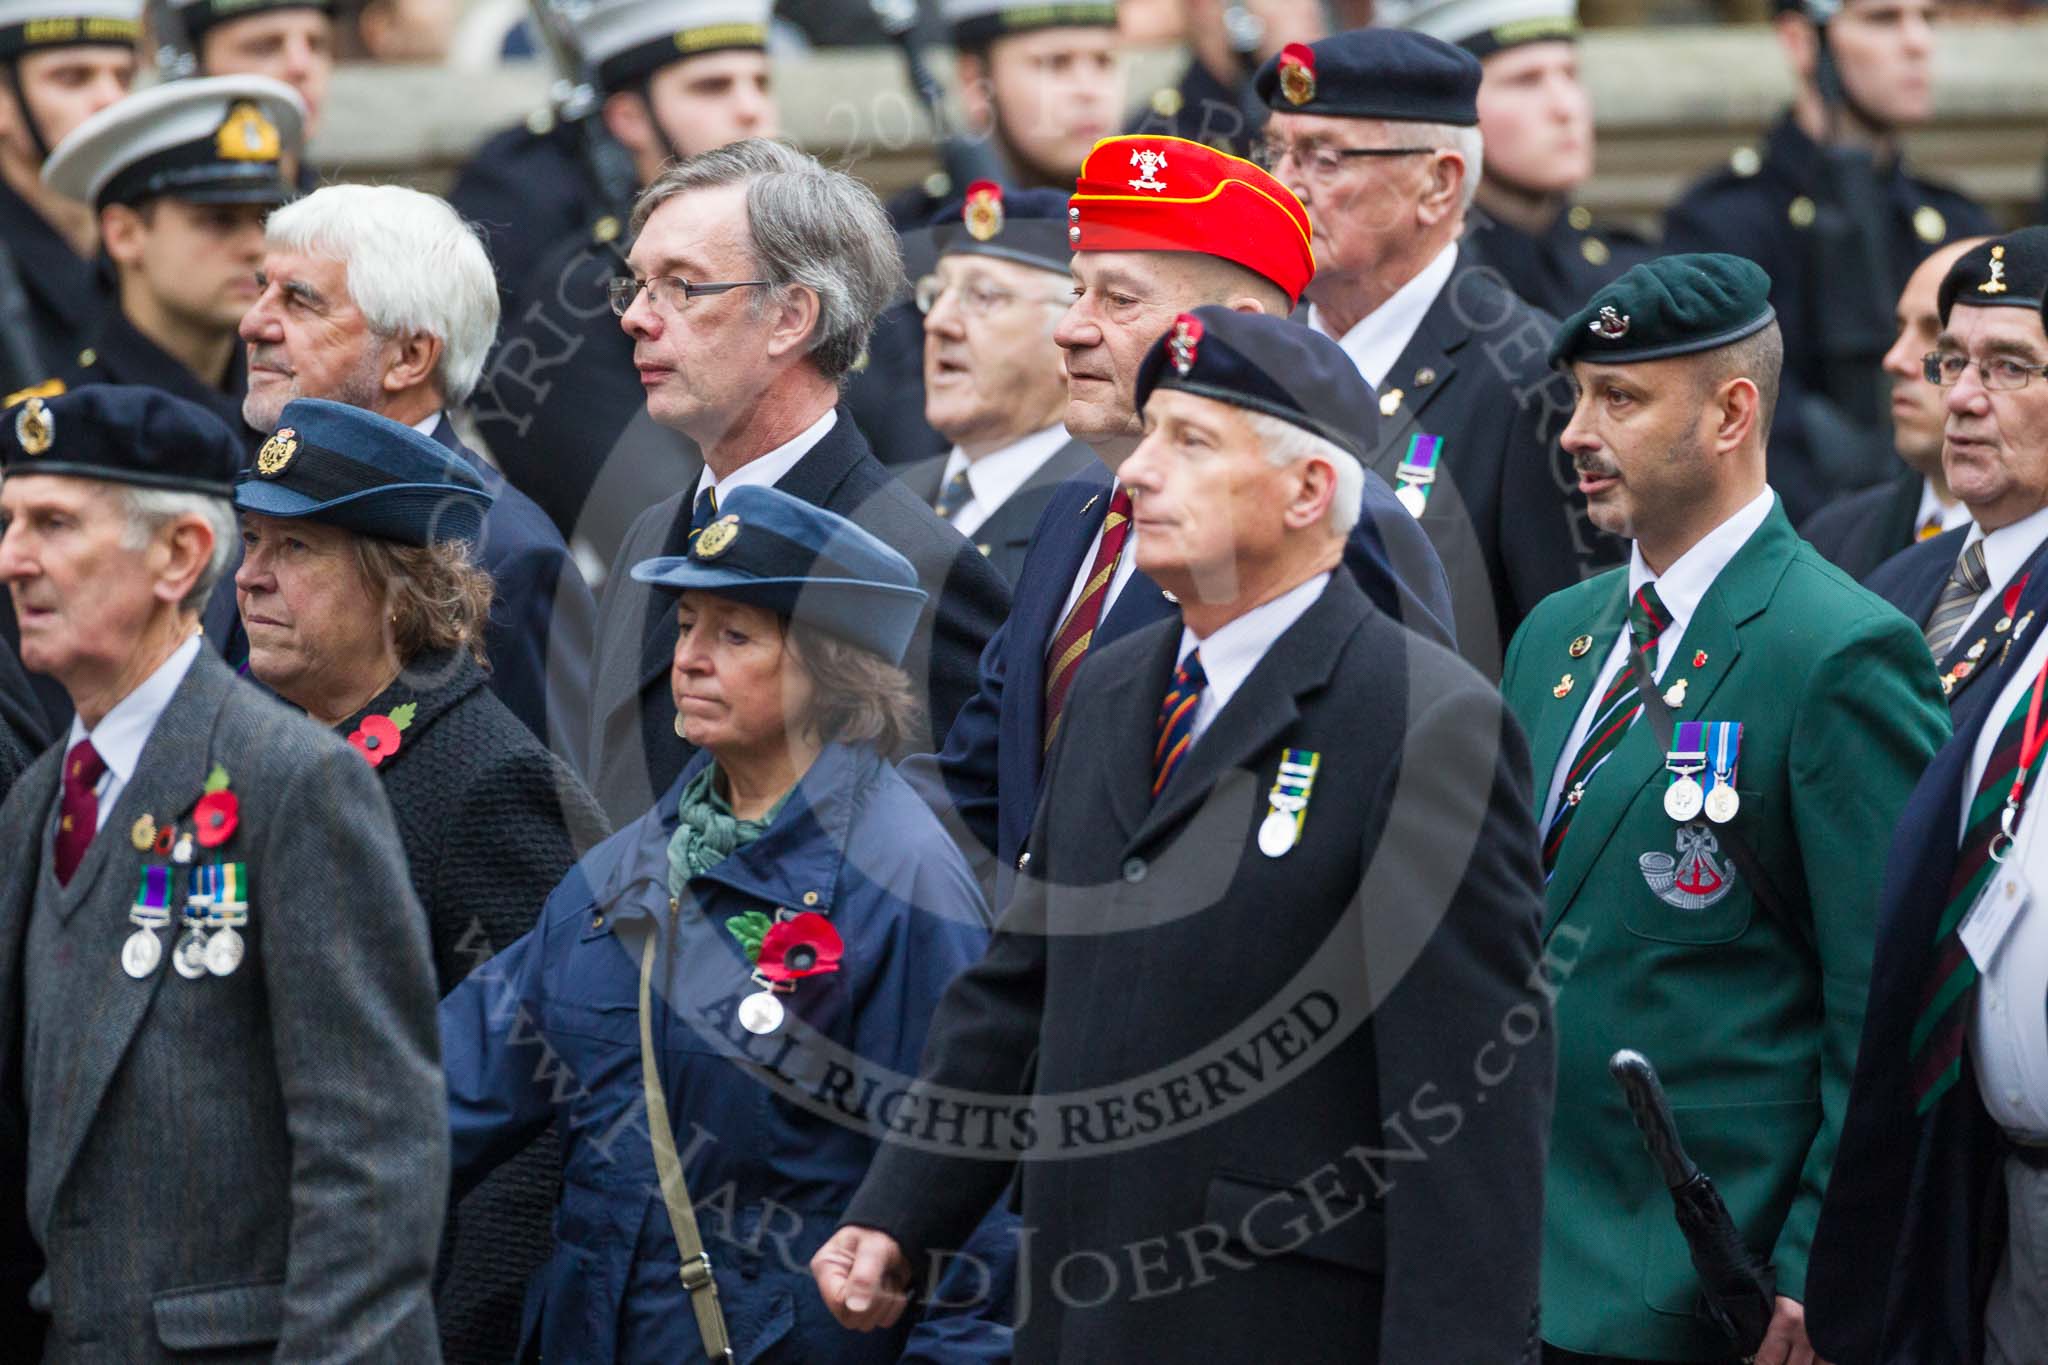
(1652, 1113)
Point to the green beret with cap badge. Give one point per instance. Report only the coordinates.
(1672, 306)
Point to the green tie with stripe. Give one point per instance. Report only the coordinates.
(1617, 710)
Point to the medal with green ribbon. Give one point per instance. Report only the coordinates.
(1418, 471)
(1287, 803)
(228, 907)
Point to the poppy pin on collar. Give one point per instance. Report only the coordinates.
(1298, 73)
(1187, 337)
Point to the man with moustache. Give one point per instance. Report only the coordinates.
(1959, 586)
(1723, 734)
(1863, 530)
(181, 176)
(1375, 131)
(1158, 226)
(1186, 819)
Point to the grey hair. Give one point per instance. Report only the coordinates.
(149, 510)
(1284, 443)
(807, 227)
(1466, 142)
(414, 269)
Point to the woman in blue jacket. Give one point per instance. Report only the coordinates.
(755, 960)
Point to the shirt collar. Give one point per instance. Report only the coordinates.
(2007, 550)
(429, 424)
(121, 733)
(1681, 586)
(1376, 340)
(1234, 649)
(1000, 473)
(765, 471)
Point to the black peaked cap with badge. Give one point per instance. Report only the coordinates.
(1380, 73)
(217, 140)
(343, 466)
(199, 16)
(772, 550)
(2005, 272)
(1241, 358)
(1672, 306)
(122, 433)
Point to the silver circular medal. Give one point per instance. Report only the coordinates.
(1682, 799)
(761, 1012)
(1412, 498)
(1722, 803)
(223, 952)
(1276, 833)
(189, 957)
(141, 953)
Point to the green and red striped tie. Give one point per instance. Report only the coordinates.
(1936, 1046)
(1611, 718)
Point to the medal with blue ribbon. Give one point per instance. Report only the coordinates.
(1287, 803)
(1418, 471)
(227, 908)
(151, 912)
(1724, 746)
(1688, 756)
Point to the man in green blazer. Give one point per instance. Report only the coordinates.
(1746, 991)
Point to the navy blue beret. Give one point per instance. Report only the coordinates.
(2009, 271)
(1671, 306)
(1385, 73)
(123, 433)
(347, 467)
(1268, 365)
(1025, 226)
(793, 557)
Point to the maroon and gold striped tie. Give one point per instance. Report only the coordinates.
(1070, 642)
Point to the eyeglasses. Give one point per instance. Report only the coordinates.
(1320, 161)
(669, 292)
(977, 298)
(2000, 374)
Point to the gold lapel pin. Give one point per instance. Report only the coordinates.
(1578, 647)
(1563, 688)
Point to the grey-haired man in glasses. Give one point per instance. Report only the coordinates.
(1376, 131)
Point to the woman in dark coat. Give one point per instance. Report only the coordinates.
(365, 607)
(770, 941)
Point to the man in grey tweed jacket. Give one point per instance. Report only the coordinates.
(230, 1130)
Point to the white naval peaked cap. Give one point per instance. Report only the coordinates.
(30, 25)
(216, 140)
(629, 40)
(1484, 27)
(976, 23)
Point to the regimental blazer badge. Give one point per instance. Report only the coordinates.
(1695, 879)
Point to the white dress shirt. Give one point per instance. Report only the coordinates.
(765, 471)
(1680, 588)
(1376, 340)
(1234, 649)
(2006, 552)
(121, 733)
(2009, 1024)
(998, 474)
(1948, 515)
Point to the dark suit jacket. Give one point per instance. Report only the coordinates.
(112, 351)
(1860, 531)
(986, 777)
(636, 753)
(25, 728)
(1505, 513)
(1006, 535)
(1913, 1223)
(1912, 580)
(297, 1162)
(1226, 1043)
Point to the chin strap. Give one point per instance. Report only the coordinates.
(10, 75)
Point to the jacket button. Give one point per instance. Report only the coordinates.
(1134, 869)
(1024, 860)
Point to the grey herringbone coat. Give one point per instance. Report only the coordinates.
(253, 1164)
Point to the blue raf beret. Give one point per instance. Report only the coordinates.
(122, 433)
(1672, 306)
(2005, 272)
(1383, 73)
(343, 466)
(772, 550)
(1268, 365)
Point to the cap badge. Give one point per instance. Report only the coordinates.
(715, 539)
(1187, 335)
(246, 135)
(1298, 73)
(34, 427)
(1996, 284)
(1149, 164)
(984, 211)
(277, 452)
(1610, 325)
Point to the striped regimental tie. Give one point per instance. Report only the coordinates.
(1070, 642)
(1966, 583)
(1177, 719)
(1611, 718)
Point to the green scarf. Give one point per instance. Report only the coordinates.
(708, 832)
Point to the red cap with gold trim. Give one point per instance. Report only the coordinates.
(1141, 193)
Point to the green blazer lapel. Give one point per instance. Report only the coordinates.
(1556, 715)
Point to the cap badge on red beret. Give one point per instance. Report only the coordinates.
(1996, 284)
(1610, 325)
(984, 211)
(1298, 73)
(1187, 335)
(1149, 163)
(34, 427)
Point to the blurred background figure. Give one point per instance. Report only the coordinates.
(1830, 211)
(1213, 101)
(287, 40)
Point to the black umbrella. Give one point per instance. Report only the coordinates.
(1741, 1291)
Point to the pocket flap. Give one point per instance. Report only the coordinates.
(221, 1315)
(1342, 1228)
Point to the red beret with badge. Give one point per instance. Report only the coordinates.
(1143, 193)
